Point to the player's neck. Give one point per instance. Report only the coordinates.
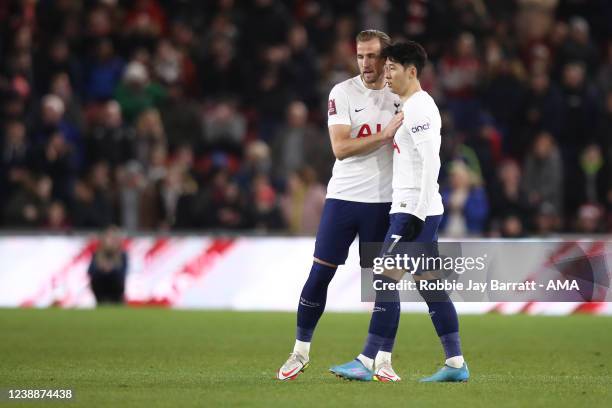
(412, 88)
(378, 85)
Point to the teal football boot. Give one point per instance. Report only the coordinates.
(353, 370)
(449, 374)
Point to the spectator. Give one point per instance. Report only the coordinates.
(15, 157)
(224, 129)
(578, 110)
(509, 200)
(92, 206)
(228, 205)
(578, 47)
(605, 71)
(547, 220)
(266, 24)
(178, 192)
(374, 14)
(504, 90)
(170, 190)
(512, 227)
(109, 138)
(137, 93)
(302, 68)
(157, 164)
(108, 269)
(189, 204)
(543, 175)
(541, 109)
(167, 63)
(52, 122)
(589, 219)
(590, 181)
(604, 129)
(103, 72)
(13, 106)
(132, 183)
(181, 118)
(104, 195)
(303, 202)
(56, 217)
(220, 72)
(144, 23)
(459, 72)
(454, 149)
(28, 206)
(339, 64)
(257, 160)
(150, 135)
(486, 141)
(293, 140)
(55, 158)
(54, 59)
(62, 87)
(266, 209)
(271, 92)
(465, 203)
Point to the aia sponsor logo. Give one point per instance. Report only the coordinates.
(396, 147)
(331, 107)
(366, 130)
(417, 129)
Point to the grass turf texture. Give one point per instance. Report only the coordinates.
(162, 358)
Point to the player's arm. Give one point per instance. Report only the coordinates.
(339, 123)
(344, 146)
(428, 149)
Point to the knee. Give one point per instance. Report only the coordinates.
(431, 291)
(385, 289)
(321, 275)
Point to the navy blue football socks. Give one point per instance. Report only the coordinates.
(384, 321)
(444, 317)
(312, 300)
(388, 343)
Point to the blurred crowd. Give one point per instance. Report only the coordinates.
(190, 115)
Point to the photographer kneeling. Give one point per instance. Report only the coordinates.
(108, 268)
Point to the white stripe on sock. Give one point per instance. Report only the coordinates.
(455, 362)
(302, 347)
(367, 361)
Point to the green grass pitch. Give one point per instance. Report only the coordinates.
(116, 357)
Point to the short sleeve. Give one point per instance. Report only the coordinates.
(338, 112)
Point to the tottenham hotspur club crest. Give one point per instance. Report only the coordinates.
(397, 107)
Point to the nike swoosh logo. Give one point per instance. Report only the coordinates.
(387, 374)
(288, 373)
(359, 110)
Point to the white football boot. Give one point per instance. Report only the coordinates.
(295, 364)
(384, 372)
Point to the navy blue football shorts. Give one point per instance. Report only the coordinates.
(342, 221)
(397, 242)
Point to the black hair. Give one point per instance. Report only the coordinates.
(407, 53)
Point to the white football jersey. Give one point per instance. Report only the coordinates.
(422, 124)
(366, 177)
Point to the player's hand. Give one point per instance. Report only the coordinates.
(389, 131)
(413, 227)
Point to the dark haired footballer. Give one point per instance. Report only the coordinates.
(416, 212)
